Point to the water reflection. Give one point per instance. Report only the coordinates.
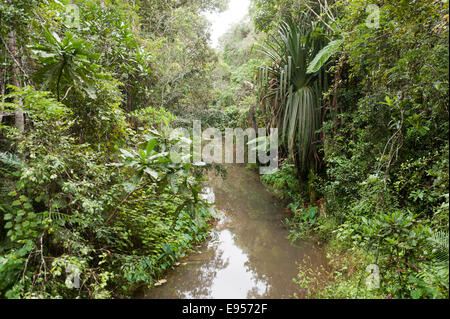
(249, 256)
(235, 278)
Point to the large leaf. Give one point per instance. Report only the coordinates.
(322, 57)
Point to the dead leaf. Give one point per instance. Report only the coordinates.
(160, 282)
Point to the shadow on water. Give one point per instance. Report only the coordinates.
(248, 255)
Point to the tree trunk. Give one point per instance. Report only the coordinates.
(299, 169)
(18, 113)
(253, 117)
(2, 89)
(2, 82)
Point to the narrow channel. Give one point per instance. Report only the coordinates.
(248, 255)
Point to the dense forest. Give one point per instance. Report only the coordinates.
(91, 89)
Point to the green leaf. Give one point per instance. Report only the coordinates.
(416, 294)
(16, 203)
(322, 57)
(151, 172)
(150, 146)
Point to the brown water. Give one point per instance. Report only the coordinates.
(248, 255)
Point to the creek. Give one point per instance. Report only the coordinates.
(248, 255)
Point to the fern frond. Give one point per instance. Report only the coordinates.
(10, 159)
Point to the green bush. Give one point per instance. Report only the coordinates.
(119, 218)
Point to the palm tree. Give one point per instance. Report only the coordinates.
(66, 60)
(290, 94)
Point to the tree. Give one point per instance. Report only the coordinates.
(66, 60)
(18, 112)
(11, 12)
(291, 95)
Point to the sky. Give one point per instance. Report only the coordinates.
(237, 9)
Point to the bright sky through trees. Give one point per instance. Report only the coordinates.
(237, 9)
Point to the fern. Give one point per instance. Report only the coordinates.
(10, 159)
(62, 217)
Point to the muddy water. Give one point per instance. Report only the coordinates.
(248, 255)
